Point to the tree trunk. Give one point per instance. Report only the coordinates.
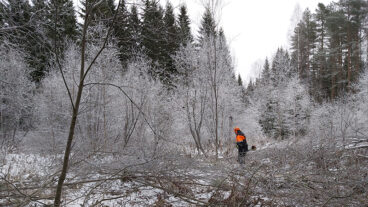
(68, 147)
(215, 89)
(83, 74)
(349, 50)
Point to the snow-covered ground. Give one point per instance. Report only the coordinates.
(274, 175)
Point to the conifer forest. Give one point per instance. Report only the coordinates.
(127, 103)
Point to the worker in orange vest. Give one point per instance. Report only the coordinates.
(242, 145)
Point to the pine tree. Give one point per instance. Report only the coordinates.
(185, 34)
(320, 59)
(355, 12)
(303, 44)
(320, 18)
(335, 31)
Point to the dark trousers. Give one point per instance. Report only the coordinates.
(242, 150)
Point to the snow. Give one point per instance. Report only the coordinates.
(25, 168)
(25, 165)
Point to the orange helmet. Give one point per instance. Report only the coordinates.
(236, 129)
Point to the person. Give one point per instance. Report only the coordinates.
(241, 142)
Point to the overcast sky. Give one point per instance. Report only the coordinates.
(254, 28)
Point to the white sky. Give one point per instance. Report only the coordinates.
(254, 28)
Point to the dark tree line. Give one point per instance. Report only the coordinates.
(39, 30)
(43, 32)
(42, 28)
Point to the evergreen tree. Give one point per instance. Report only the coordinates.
(320, 58)
(171, 41)
(128, 33)
(123, 33)
(40, 30)
(265, 76)
(153, 36)
(2, 19)
(224, 48)
(281, 67)
(62, 24)
(185, 35)
(327, 48)
(337, 39)
(268, 118)
(250, 88)
(355, 12)
(303, 44)
(39, 50)
(320, 18)
(240, 81)
(103, 11)
(136, 28)
(25, 30)
(208, 28)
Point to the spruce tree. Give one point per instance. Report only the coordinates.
(2, 20)
(16, 15)
(39, 50)
(153, 36)
(171, 42)
(208, 28)
(127, 30)
(135, 26)
(63, 24)
(185, 34)
(102, 11)
(123, 34)
(240, 81)
(265, 76)
(171, 30)
(281, 67)
(25, 31)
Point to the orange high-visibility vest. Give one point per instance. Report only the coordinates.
(240, 138)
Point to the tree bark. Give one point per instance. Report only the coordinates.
(74, 118)
(83, 73)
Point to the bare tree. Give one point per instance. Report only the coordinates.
(90, 6)
(195, 92)
(15, 97)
